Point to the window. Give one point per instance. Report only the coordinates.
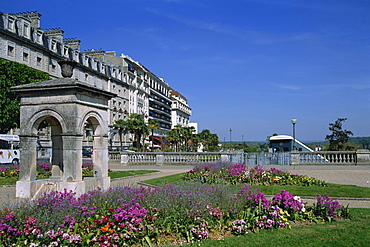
(25, 56)
(53, 65)
(39, 59)
(53, 45)
(11, 22)
(11, 49)
(26, 30)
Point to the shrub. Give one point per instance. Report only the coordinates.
(240, 174)
(138, 216)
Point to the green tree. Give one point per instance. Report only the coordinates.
(209, 141)
(120, 124)
(339, 137)
(174, 137)
(14, 74)
(137, 126)
(186, 134)
(153, 125)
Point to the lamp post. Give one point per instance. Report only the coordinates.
(294, 121)
(230, 137)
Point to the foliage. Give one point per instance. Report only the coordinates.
(120, 124)
(14, 74)
(136, 125)
(143, 216)
(239, 173)
(43, 170)
(352, 232)
(361, 142)
(185, 139)
(210, 141)
(339, 137)
(9, 172)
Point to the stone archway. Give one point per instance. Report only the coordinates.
(100, 145)
(66, 104)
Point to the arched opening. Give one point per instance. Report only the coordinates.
(95, 139)
(49, 146)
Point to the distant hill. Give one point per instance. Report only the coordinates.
(364, 142)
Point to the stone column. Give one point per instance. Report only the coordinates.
(72, 165)
(28, 157)
(124, 159)
(57, 157)
(100, 160)
(72, 158)
(294, 158)
(159, 159)
(224, 158)
(363, 157)
(26, 186)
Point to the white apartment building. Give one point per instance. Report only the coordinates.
(181, 112)
(138, 89)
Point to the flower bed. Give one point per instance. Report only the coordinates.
(143, 216)
(240, 174)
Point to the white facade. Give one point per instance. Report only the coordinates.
(138, 90)
(181, 111)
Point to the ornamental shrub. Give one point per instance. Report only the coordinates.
(240, 174)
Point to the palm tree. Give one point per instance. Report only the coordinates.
(153, 125)
(120, 124)
(173, 136)
(208, 139)
(137, 126)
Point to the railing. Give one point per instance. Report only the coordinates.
(340, 158)
(359, 157)
(263, 158)
(167, 158)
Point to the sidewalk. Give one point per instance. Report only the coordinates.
(350, 175)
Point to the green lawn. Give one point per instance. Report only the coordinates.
(121, 174)
(334, 190)
(354, 232)
(112, 175)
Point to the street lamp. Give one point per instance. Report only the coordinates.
(230, 137)
(294, 121)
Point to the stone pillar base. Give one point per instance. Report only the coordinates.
(78, 187)
(25, 189)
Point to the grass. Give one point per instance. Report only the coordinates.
(121, 174)
(352, 232)
(334, 190)
(8, 181)
(112, 175)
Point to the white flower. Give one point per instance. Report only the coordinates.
(297, 198)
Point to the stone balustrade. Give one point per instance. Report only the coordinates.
(359, 157)
(167, 158)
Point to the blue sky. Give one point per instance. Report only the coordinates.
(246, 65)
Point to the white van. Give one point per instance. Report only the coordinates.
(9, 149)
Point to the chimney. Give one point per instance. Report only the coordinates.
(34, 16)
(55, 33)
(73, 43)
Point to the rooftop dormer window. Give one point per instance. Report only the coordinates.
(26, 30)
(11, 24)
(38, 37)
(53, 45)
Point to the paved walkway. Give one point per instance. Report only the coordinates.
(350, 175)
